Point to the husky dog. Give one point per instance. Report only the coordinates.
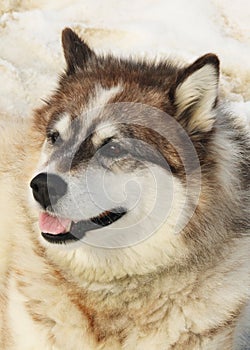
(124, 210)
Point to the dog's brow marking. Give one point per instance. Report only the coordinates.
(62, 126)
(103, 131)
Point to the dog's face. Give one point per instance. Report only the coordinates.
(123, 144)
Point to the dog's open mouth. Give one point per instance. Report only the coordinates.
(60, 230)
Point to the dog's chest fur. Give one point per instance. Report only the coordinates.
(160, 311)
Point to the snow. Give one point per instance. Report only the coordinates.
(31, 55)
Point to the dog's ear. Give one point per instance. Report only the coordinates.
(195, 93)
(76, 52)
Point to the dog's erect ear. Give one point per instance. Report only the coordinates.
(195, 93)
(76, 52)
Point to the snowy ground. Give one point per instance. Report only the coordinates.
(31, 55)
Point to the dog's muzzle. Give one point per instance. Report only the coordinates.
(47, 190)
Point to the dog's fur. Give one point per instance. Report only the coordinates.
(169, 291)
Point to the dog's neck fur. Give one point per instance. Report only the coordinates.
(150, 303)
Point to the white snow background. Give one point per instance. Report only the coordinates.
(30, 41)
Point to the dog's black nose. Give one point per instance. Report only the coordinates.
(48, 188)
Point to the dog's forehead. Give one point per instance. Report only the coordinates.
(89, 120)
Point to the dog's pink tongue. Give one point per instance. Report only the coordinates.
(52, 224)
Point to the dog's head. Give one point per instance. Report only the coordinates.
(123, 142)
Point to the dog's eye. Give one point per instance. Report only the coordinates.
(112, 150)
(53, 137)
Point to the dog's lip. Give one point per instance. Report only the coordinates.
(78, 229)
